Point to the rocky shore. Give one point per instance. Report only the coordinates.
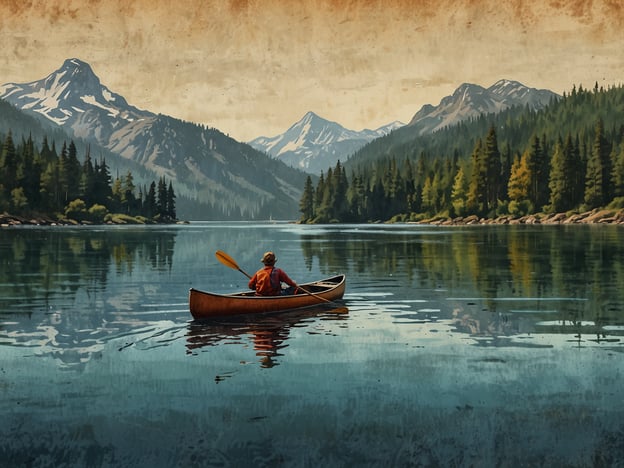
(7, 220)
(597, 216)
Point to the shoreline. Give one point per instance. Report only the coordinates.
(8, 220)
(596, 216)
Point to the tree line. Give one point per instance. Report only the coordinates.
(549, 161)
(40, 181)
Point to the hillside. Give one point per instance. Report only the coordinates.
(566, 156)
(216, 176)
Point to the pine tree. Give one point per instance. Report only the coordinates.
(128, 199)
(149, 206)
(161, 200)
(617, 178)
(598, 176)
(535, 162)
(306, 204)
(171, 203)
(73, 171)
(31, 173)
(87, 180)
(8, 165)
(477, 195)
(519, 186)
(102, 184)
(459, 195)
(492, 163)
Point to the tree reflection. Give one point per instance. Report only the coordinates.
(539, 267)
(58, 279)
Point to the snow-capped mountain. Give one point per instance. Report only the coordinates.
(314, 144)
(204, 164)
(471, 100)
(72, 96)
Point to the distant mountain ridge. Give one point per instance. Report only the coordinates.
(225, 176)
(471, 100)
(313, 143)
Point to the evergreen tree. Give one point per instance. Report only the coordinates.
(535, 162)
(562, 177)
(128, 199)
(492, 163)
(306, 204)
(340, 206)
(149, 207)
(325, 212)
(429, 196)
(598, 176)
(519, 186)
(318, 195)
(161, 200)
(102, 191)
(171, 203)
(88, 180)
(31, 173)
(477, 190)
(73, 171)
(9, 165)
(459, 195)
(617, 178)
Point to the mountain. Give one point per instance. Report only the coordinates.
(470, 100)
(223, 175)
(313, 144)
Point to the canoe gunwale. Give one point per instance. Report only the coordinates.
(204, 304)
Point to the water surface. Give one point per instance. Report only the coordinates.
(463, 346)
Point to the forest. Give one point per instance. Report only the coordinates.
(567, 157)
(40, 182)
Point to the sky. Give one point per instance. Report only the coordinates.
(253, 68)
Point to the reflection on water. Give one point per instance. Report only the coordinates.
(519, 280)
(470, 346)
(40, 266)
(266, 333)
(62, 291)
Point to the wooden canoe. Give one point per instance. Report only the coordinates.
(205, 304)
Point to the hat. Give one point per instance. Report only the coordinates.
(268, 258)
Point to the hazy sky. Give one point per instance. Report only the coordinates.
(252, 68)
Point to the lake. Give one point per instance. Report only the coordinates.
(464, 346)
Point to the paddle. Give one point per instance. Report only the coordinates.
(231, 263)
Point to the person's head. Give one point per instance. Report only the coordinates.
(268, 259)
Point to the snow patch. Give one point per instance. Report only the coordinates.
(90, 99)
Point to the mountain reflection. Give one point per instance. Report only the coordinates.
(267, 333)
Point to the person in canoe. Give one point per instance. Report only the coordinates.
(268, 280)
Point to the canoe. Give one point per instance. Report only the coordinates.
(206, 304)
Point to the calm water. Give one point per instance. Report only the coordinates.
(474, 346)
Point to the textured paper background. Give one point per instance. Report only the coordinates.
(252, 68)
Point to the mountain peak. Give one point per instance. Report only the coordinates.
(471, 100)
(71, 96)
(313, 143)
(79, 73)
(76, 64)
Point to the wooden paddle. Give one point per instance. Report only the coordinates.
(231, 263)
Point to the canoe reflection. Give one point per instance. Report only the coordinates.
(267, 333)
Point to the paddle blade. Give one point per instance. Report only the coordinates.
(226, 260)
